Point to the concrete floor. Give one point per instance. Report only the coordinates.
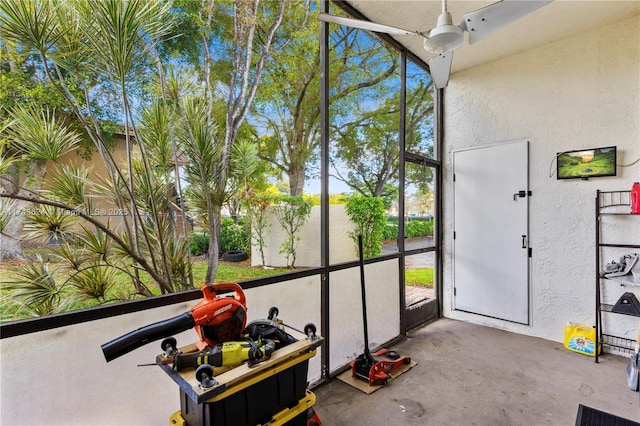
(467, 374)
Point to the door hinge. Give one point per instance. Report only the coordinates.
(454, 291)
(454, 177)
(454, 235)
(530, 252)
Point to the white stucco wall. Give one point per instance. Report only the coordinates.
(60, 377)
(580, 92)
(345, 310)
(341, 246)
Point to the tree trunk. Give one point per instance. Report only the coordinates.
(219, 235)
(296, 179)
(214, 248)
(10, 247)
(11, 239)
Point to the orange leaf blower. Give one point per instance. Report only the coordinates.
(220, 317)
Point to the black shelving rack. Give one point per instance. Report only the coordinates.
(618, 200)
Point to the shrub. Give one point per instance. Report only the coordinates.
(257, 224)
(292, 213)
(232, 236)
(199, 244)
(368, 215)
(417, 228)
(390, 231)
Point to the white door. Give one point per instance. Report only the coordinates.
(491, 255)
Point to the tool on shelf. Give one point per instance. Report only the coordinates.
(228, 354)
(627, 304)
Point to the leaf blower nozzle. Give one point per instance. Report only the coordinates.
(150, 333)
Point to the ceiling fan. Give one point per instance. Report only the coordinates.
(445, 37)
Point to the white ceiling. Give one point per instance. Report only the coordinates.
(557, 20)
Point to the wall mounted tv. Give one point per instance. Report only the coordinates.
(587, 163)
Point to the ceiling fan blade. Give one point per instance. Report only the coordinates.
(440, 68)
(483, 22)
(365, 25)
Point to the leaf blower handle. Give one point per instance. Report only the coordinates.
(152, 332)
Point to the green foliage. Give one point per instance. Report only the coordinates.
(21, 83)
(390, 231)
(36, 286)
(419, 114)
(234, 236)
(367, 213)
(256, 207)
(39, 134)
(7, 211)
(421, 277)
(94, 282)
(292, 87)
(66, 55)
(417, 227)
(292, 213)
(199, 244)
(68, 183)
(179, 263)
(80, 50)
(48, 223)
(369, 152)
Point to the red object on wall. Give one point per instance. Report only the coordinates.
(635, 198)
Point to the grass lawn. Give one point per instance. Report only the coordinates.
(11, 309)
(420, 277)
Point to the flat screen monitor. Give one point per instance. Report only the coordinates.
(587, 163)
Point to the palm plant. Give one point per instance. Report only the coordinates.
(84, 46)
(203, 145)
(37, 137)
(81, 43)
(94, 282)
(51, 224)
(36, 287)
(7, 211)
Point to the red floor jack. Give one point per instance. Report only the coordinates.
(312, 418)
(373, 368)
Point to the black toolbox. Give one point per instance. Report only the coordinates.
(253, 405)
(273, 392)
(301, 414)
